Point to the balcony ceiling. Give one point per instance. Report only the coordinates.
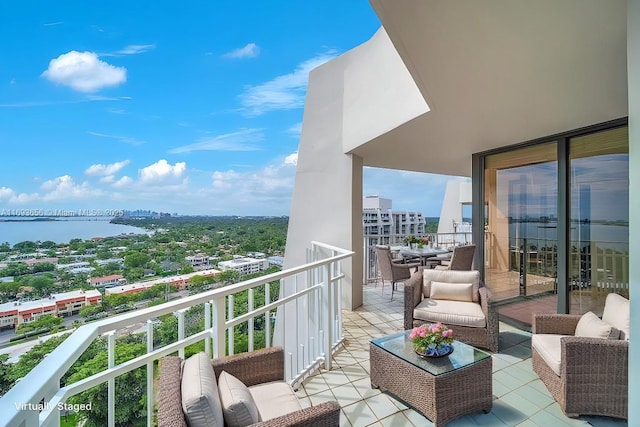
(499, 72)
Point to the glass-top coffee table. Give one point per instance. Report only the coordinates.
(442, 388)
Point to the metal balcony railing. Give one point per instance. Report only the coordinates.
(37, 398)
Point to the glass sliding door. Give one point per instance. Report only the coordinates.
(521, 192)
(599, 217)
(556, 222)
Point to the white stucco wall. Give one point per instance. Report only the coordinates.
(351, 99)
(456, 193)
(633, 64)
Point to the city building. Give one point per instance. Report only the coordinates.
(383, 225)
(244, 265)
(70, 303)
(181, 281)
(276, 260)
(15, 313)
(103, 262)
(108, 281)
(198, 261)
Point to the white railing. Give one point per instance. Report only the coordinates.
(444, 240)
(37, 398)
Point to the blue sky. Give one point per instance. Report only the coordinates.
(190, 107)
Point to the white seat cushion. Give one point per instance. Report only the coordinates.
(237, 402)
(450, 313)
(548, 347)
(274, 399)
(617, 313)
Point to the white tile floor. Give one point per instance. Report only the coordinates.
(520, 398)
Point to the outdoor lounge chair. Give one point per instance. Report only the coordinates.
(456, 298)
(246, 389)
(583, 360)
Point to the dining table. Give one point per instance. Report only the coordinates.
(424, 253)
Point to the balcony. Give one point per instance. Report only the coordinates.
(327, 353)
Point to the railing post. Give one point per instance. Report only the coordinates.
(218, 326)
(231, 329)
(111, 383)
(149, 374)
(180, 315)
(328, 319)
(267, 316)
(207, 325)
(250, 321)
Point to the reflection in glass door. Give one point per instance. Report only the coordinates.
(521, 192)
(599, 216)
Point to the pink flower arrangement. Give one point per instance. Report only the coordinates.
(430, 339)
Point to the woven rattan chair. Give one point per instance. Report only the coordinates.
(593, 372)
(461, 259)
(392, 270)
(253, 368)
(474, 322)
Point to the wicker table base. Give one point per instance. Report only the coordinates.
(441, 398)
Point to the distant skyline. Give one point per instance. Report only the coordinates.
(193, 108)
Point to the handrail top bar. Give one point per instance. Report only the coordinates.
(54, 365)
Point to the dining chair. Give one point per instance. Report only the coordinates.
(461, 258)
(392, 270)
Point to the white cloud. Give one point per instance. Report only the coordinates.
(251, 50)
(269, 187)
(65, 188)
(126, 139)
(84, 72)
(291, 159)
(242, 140)
(122, 182)
(10, 197)
(53, 24)
(163, 172)
(295, 130)
(104, 170)
(134, 49)
(284, 92)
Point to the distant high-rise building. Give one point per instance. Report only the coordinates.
(382, 225)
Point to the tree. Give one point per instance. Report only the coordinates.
(42, 285)
(42, 266)
(130, 389)
(25, 247)
(46, 322)
(31, 358)
(136, 259)
(6, 381)
(186, 269)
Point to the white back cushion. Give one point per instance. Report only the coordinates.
(617, 313)
(452, 291)
(200, 400)
(237, 403)
(592, 326)
(450, 276)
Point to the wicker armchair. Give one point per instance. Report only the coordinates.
(474, 322)
(593, 372)
(254, 368)
(390, 270)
